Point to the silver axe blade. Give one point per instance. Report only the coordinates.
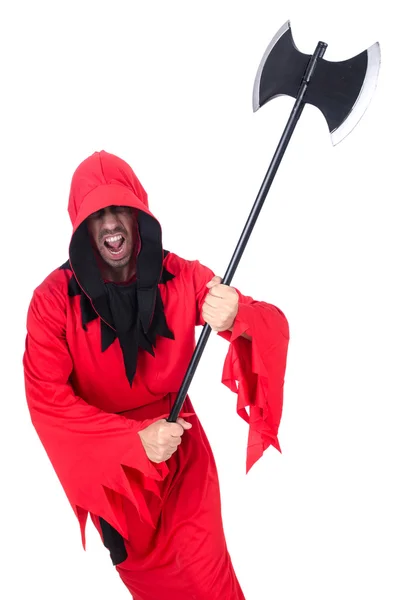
(341, 90)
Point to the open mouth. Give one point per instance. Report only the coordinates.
(115, 245)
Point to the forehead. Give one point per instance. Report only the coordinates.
(113, 209)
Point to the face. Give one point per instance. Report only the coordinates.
(112, 233)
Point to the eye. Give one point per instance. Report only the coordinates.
(97, 214)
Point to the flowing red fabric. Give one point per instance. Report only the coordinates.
(88, 417)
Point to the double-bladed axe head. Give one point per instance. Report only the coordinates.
(341, 90)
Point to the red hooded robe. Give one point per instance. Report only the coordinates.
(161, 522)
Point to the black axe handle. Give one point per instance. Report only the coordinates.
(249, 226)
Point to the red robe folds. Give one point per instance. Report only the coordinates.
(161, 522)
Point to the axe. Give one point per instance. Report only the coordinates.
(341, 90)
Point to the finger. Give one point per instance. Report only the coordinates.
(227, 293)
(216, 315)
(211, 311)
(175, 443)
(219, 291)
(212, 323)
(209, 319)
(213, 300)
(183, 423)
(214, 281)
(208, 312)
(175, 430)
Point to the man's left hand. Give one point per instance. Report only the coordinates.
(220, 306)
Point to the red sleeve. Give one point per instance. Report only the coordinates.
(255, 369)
(97, 456)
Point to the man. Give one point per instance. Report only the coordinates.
(109, 337)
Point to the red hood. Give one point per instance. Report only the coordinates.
(101, 180)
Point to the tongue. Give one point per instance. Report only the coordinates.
(114, 245)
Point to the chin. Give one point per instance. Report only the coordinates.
(122, 262)
(118, 264)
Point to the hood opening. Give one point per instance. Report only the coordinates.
(149, 264)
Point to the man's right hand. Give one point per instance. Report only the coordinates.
(161, 439)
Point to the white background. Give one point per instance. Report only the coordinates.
(168, 87)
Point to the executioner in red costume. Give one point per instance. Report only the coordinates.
(110, 335)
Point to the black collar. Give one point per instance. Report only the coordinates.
(119, 307)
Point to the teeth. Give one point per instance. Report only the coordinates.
(113, 239)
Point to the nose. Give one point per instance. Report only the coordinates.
(109, 219)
